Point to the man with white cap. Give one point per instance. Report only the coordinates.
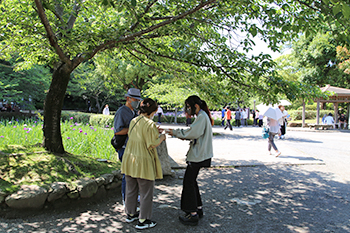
(122, 120)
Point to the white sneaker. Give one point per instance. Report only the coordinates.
(146, 224)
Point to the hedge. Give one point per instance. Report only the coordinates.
(310, 114)
(99, 119)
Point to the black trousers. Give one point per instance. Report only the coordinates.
(190, 197)
(283, 128)
(159, 117)
(228, 124)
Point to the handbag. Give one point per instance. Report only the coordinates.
(118, 141)
(265, 132)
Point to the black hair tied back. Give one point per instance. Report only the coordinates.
(148, 106)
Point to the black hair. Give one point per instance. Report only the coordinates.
(193, 100)
(148, 106)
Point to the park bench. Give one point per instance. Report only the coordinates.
(320, 126)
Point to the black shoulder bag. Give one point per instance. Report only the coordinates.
(118, 141)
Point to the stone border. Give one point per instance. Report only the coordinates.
(36, 197)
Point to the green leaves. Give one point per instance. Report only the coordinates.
(133, 3)
(346, 10)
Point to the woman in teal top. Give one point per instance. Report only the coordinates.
(199, 155)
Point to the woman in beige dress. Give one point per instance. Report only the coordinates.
(141, 165)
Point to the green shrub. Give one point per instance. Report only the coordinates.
(314, 107)
(101, 120)
(310, 114)
(81, 117)
(17, 116)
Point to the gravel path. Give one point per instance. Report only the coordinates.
(261, 198)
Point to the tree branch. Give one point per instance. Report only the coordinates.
(142, 61)
(51, 36)
(132, 36)
(146, 10)
(72, 17)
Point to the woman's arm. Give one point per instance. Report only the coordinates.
(162, 137)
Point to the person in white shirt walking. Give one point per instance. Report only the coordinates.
(159, 113)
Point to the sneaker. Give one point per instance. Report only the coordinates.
(146, 224)
(189, 219)
(131, 218)
(278, 154)
(200, 213)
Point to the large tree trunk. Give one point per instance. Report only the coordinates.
(52, 110)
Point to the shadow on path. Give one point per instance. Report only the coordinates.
(255, 199)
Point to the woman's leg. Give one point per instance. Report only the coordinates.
(271, 142)
(190, 197)
(131, 194)
(146, 188)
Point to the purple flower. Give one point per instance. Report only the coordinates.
(80, 131)
(87, 123)
(24, 128)
(28, 131)
(1, 136)
(14, 126)
(73, 129)
(107, 126)
(34, 121)
(85, 133)
(71, 126)
(68, 137)
(71, 118)
(95, 129)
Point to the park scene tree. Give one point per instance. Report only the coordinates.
(191, 39)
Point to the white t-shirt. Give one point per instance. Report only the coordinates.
(329, 120)
(160, 110)
(105, 111)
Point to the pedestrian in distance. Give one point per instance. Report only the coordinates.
(274, 129)
(261, 120)
(245, 113)
(228, 118)
(342, 122)
(238, 117)
(188, 119)
(283, 121)
(141, 165)
(159, 113)
(256, 119)
(223, 114)
(199, 155)
(253, 115)
(329, 120)
(105, 110)
(122, 119)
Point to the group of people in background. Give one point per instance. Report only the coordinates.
(329, 120)
(241, 117)
(141, 165)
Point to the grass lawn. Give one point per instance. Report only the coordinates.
(24, 161)
(32, 165)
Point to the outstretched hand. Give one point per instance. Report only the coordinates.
(160, 130)
(169, 131)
